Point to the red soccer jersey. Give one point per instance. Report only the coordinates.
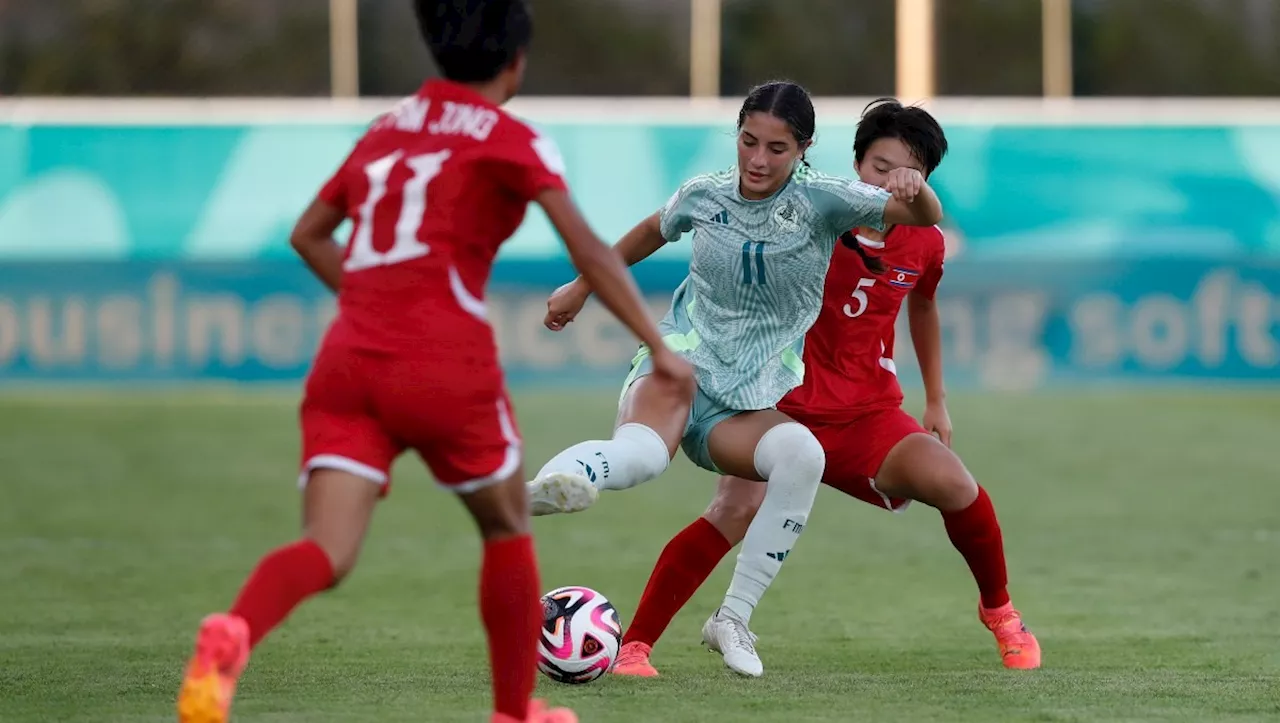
(848, 354)
(433, 189)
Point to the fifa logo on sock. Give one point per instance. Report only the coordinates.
(591, 473)
(792, 525)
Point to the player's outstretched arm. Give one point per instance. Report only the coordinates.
(913, 203)
(312, 238)
(637, 245)
(642, 241)
(603, 268)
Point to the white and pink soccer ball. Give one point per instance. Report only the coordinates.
(580, 635)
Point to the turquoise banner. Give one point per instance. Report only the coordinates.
(170, 193)
(1009, 325)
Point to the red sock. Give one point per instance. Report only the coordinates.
(283, 578)
(512, 614)
(975, 532)
(685, 563)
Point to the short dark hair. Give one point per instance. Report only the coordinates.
(472, 41)
(888, 118)
(915, 127)
(783, 100)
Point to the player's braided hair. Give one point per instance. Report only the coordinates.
(786, 101)
(873, 263)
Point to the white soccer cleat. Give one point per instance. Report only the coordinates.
(560, 492)
(730, 637)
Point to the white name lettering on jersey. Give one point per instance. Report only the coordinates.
(461, 119)
(409, 115)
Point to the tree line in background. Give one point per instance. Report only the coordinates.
(630, 47)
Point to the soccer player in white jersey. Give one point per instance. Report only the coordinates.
(763, 236)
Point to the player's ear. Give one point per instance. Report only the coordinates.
(514, 71)
(520, 62)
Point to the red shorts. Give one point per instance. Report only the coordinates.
(361, 411)
(856, 448)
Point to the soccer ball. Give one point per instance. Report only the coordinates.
(580, 635)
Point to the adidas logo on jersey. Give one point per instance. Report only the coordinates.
(720, 218)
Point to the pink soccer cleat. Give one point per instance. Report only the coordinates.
(1019, 649)
(222, 651)
(633, 660)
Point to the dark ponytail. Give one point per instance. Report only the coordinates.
(786, 101)
(873, 263)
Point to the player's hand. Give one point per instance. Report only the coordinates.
(564, 304)
(904, 183)
(937, 421)
(673, 369)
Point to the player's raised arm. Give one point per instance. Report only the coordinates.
(640, 242)
(664, 226)
(913, 203)
(602, 268)
(637, 245)
(904, 199)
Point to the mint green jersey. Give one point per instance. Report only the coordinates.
(756, 278)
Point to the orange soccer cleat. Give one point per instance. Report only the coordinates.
(633, 660)
(1019, 649)
(222, 651)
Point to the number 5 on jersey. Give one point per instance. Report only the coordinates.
(413, 205)
(859, 296)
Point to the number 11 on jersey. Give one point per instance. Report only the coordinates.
(413, 205)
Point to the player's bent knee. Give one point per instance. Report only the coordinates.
(793, 446)
(734, 507)
(651, 454)
(922, 468)
(342, 555)
(955, 488)
(337, 507)
(500, 510)
(945, 484)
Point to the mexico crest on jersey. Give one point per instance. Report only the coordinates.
(786, 217)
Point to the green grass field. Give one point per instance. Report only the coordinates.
(1143, 533)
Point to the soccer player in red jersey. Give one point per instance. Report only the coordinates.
(410, 363)
(851, 401)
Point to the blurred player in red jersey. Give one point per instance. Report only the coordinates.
(851, 401)
(410, 363)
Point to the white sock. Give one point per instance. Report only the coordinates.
(792, 461)
(635, 455)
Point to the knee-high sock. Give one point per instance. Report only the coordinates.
(635, 455)
(975, 533)
(792, 461)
